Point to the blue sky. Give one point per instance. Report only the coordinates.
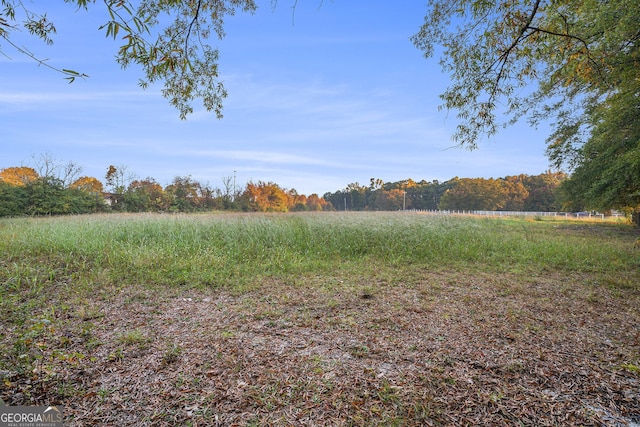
(332, 95)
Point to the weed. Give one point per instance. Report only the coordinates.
(496, 397)
(227, 334)
(134, 337)
(592, 298)
(103, 393)
(387, 393)
(171, 354)
(630, 367)
(359, 350)
(116, 355)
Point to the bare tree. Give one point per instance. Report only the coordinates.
(228, 184)
(70, 172)
(45, 164)
(49, 167)
(118, 178)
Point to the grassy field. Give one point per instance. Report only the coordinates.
(321, 319)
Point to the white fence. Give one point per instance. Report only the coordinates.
(582, 215)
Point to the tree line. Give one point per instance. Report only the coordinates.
(59, 190)
(538, 193)
(51, 188)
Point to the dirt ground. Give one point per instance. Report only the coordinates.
(444, 349)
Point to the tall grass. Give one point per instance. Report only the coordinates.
(224, 249)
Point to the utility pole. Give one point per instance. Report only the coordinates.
(234, 186)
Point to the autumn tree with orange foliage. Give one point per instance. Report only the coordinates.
(316, 203)
(89, 184)
(18, 175)
(484, 195)
(146, 195)
(23, 192)
(390, 200)
(264, 197)
(297, 202)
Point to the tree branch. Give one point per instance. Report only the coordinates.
(504, 55)
(566, 35)
(191, 24)
(590, 58)
(71, 75)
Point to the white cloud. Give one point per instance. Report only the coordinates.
(261, 157)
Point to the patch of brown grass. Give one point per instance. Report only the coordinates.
(442, 348)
